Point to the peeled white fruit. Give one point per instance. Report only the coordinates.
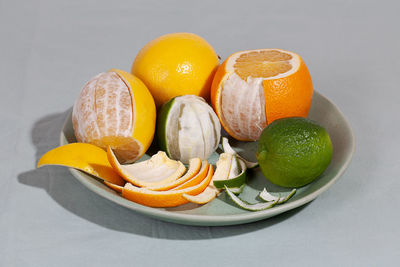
(188, 128)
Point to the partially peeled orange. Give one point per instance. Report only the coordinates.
(253, 88)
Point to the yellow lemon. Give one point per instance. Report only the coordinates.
(176, 64)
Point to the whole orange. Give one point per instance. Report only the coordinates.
(176, 64)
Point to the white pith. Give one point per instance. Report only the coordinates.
(223, 168)
(193, 129)
(204, 197)
(252, 207)
(243, 106)
(159, 168)
(266, 196)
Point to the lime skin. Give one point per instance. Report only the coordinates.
(162, 125)
(293, 152)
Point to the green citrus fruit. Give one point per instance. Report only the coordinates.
(292, 152)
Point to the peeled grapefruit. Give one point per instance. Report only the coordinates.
(115, 109)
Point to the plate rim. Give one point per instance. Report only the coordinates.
(216, 220)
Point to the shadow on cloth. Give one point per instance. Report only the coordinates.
(59, 183)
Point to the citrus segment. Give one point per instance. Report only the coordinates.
(113, 106)
(254, 88)
(158, 170)
(176, 64)
(85, 157)
(169, 198)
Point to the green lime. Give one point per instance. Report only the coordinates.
(292, 152)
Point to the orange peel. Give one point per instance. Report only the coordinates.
(195, 179)
(157, 171)
(193, 170)
(88, 158)
(171, 198)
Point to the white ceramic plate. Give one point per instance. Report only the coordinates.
(222, 211)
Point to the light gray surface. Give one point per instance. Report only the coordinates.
(49, 49)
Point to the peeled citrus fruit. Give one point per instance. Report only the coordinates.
(292, 152)
(253, 88)
(176, 64)
(115, 109)
(188, 128)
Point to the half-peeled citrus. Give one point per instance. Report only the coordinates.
(115, 109)
(253, 88)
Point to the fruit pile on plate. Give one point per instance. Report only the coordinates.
(178, 90)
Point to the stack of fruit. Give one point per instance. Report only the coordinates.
(255, 95)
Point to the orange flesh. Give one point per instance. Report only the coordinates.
(104, 115)
(262, 64)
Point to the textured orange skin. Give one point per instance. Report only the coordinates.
(176, 64)
(289, 96)
(163, 199)
(85, 157)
